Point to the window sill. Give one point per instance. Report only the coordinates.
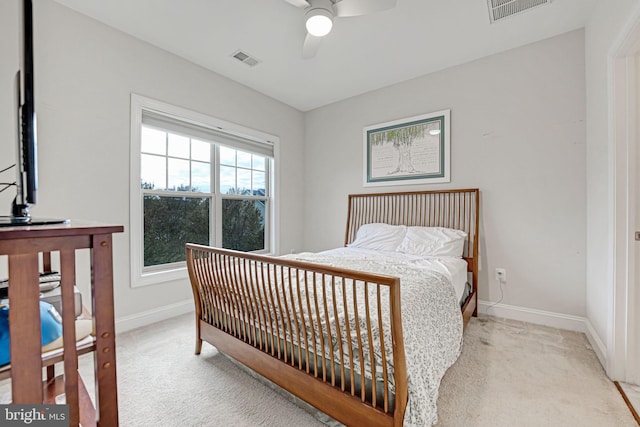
(161, 276)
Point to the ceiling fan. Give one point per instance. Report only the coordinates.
(319, 15)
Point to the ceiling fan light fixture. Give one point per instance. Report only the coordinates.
(319, 22)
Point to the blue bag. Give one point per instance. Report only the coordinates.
(50, 325)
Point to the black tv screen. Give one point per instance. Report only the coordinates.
(28, 114)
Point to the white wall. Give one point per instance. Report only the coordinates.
(518, 133)
(85, 73)
(604, 26)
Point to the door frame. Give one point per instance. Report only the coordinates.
(622, 342)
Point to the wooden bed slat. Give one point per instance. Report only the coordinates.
(339, 334)
(372, 357)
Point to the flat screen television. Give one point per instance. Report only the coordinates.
(27, 151)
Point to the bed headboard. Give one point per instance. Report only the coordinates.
(457, 209)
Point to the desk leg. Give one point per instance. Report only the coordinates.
(24, 324)
(105, 354)
(68, 272)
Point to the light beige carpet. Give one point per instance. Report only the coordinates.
(509, 374)
(518, 374)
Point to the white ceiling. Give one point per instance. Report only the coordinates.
(360, 54)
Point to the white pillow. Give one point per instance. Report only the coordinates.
(378, 236)
(433, 241)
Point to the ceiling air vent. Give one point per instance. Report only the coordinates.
(245, 58)
(500, 9)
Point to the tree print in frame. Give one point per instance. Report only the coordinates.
(415, 150)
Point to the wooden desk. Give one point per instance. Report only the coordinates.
(23, 245)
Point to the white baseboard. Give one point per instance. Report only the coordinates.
(539, 317)
(145, 318)
(596, 343)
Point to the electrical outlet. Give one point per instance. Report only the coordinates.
(501, 275)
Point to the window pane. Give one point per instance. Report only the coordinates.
(170, 223)
(200, 177)
(227, 156)
(153, 172)
(243, 224)
(258, 163)
(178, 146)
(200, 150)
(259, 184)
(244, 181)
(244, 160)
(153, 141)
(178, 175)
(227, 180)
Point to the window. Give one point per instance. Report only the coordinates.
(243, 189)
(175, 182)
(195, 179)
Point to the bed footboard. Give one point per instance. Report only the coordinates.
(331, 336)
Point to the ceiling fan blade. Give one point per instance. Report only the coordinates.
(310, 46)
(362, 7)
(298, 3)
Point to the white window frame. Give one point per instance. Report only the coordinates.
(141, 276)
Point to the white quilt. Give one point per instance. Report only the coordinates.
(432, 326)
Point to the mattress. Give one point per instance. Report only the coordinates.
(454, 269)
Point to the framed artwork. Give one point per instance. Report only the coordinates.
(415, 150)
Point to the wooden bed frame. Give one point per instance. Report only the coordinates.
(274, 315)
